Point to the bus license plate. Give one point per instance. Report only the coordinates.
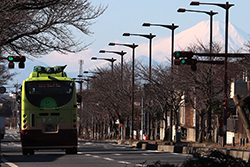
(50, 129)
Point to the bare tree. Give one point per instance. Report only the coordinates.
(110, 97)
(30, 27)
(162, 95)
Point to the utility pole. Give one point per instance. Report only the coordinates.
(15, 113)
(80, 81)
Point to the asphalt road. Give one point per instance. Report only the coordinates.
(90, 154)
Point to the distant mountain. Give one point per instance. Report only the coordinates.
(201, 32)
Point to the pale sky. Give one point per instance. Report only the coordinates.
(128, 16)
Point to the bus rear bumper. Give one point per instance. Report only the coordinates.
(36, 139)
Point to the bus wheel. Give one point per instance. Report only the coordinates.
(25, 151)
(71, 151)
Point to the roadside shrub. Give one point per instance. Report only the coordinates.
(212, 159)
(159, 164)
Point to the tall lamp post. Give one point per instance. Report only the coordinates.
(225, 6)
(211, 14)
(112, 60)
(172, 28)
(150, 37)
(119, 53)
(133, 46)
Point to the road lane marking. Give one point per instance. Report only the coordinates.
(117, 154)
(7, 162)
(124, 162)
(88, 155)
(108, 159)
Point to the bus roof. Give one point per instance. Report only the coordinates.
(37, 74)
(34, 76)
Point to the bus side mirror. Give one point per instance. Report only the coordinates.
(79, 98)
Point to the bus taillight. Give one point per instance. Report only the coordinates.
(23, 132)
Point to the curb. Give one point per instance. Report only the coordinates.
(242, 154)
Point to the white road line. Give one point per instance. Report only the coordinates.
(117, 154)
(80, 153)
(179, 154)
(8, 163)
(88, 155)
(124, 162)
(145, 154)
(108, 159)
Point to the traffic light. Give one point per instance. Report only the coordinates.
(193, 65)
(12, 59)
(185, 58)
(177, 58)
(22, 59)
(182, 54)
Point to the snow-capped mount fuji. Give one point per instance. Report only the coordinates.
(201, 32)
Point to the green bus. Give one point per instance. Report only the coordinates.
(48, 111)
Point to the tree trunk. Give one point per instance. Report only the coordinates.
(201, 128)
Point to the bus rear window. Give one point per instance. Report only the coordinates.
(60, 91)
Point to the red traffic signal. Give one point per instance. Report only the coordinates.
(177, 62)
(22, 59)
(11, 65)
(16, 58)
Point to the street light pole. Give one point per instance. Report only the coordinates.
(225, 96)
(112, 60)
(150, 37)
(133, 46)
(119, 53)
(211, 13)
(172, 28)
